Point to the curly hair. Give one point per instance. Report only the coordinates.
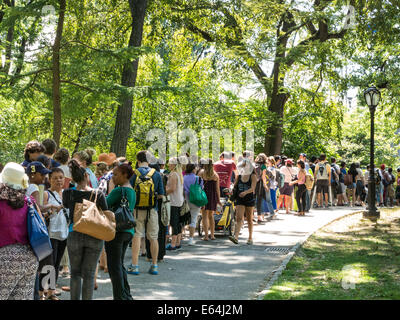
(33, 147)
(15, 198)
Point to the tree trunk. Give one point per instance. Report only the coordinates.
(9, 40)
(57, 122)
(124, 113)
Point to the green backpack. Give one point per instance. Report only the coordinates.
(197, 195)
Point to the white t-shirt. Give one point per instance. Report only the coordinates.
(67, 172)
(289, 173)
(31, 189)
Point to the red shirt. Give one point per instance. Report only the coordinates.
(224, 170)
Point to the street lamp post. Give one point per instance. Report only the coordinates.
(372, 97)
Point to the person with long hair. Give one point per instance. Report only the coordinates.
(285, 193)
(245, 183)
(212, 189)
(18, 263)
(83, 250)
(174, 190)
(188, 180)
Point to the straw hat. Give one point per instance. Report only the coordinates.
(107, 158)
(14, 176)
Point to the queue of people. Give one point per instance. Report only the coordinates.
(161, 202)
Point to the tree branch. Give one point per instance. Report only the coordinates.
(78, 85)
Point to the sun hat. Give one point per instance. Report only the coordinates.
(108, 158)
(14, 176)
(37, 166)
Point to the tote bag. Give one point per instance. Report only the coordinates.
(90, 220)
(37, 233)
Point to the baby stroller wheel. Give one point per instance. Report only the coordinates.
(199, 226)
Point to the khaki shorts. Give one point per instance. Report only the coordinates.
(152, 224)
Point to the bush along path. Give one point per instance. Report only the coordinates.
(351, 258)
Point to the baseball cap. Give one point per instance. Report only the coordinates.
(37, 166)
(383, 167)
(289, 161)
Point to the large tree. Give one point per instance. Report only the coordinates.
(129, 75)
(281, 32)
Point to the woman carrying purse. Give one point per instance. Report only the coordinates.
(116, 248)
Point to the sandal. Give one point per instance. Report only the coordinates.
(205, 239)
(249, 242)
(233, 239)
(66, 288)
(212, 238)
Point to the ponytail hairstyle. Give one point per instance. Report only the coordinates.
(77, 172)
(86, 155)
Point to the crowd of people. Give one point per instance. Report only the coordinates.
(160, 196)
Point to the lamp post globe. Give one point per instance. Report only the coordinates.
(372, 97)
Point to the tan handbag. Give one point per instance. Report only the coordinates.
(90, 220)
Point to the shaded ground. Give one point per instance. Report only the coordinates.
(219, 269)
(349, 259)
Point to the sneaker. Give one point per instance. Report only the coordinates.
(191, 242)
(133, 270)
(169, 247)
(153, 269)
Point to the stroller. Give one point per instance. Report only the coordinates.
(224, 217)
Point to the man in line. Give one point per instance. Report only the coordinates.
(323, 180)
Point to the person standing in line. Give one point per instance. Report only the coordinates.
(352, 188)
(271, 167)
(83, 250)
(33, 150)
(301, 190)
(224, 168)
(323, 180)
(116, 248)
(245, 183)
(213, 191)
(174, 190)
(85, 159)
(146, 219)
(18, 263)
(62, 157)
(285, 193)
(58, 222)
(189, 179)
(50, 147)
(263, 186)
(398, 186)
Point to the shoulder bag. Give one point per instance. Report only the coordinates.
(93, 221)
(37, 233)
(124, 218)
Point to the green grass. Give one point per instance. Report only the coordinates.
(370, 254)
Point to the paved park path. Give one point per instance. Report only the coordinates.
(219, 269)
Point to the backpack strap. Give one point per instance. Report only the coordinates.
(150, 173)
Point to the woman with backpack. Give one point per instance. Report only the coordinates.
(212, 190)
(245, 185)
(116, 248)
(174, 190)
(83, 250)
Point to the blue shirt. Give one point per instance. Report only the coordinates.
(157, 180)
(188, 180)
(93, 180)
